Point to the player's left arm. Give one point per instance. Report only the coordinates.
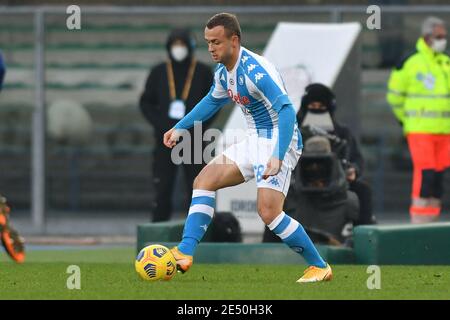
(286, 124)
(271, 89)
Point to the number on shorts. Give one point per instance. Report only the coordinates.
(259, 170)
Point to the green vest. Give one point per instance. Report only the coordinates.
(419, 91)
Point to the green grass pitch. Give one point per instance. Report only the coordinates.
(109, 274)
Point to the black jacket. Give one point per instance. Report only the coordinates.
(323, 212)
(326, 209)
(351, 153)
(155, 100)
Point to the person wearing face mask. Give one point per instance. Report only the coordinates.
(316, 116)
(319, 196)
(419, 94)
(172, 89)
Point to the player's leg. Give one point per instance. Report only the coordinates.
(271, 196)
(291, 232)
(196, 164)
(191, 171)
(219, 173)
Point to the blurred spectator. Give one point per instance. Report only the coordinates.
(391, 38)
(316, 115)
(69, 123)
(319, 195)
(172, 89)
(2, 71)
(419, 93)
(13, 243)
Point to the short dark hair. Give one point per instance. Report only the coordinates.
(228, 21)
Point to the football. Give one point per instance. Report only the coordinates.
(155, 262)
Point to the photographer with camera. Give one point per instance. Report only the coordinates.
(319, 195)
(316, 116)
(326, 192)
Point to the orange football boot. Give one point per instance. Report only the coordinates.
(13, 243)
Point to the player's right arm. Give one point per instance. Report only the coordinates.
(216, 98)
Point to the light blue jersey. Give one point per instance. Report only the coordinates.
(257, 88)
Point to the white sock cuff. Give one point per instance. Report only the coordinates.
(276, 221)
(203, 193)
(290, 229)
(201, 208)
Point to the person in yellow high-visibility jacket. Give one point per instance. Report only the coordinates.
(419, 93)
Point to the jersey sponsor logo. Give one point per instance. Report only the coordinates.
(259, 76)
(237, 98)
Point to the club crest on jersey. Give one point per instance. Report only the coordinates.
(237, 98)
(241, 80)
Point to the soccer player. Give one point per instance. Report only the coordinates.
(269, 152)
(10, 238)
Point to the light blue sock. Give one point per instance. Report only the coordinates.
(199, 217)
(293, 234)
